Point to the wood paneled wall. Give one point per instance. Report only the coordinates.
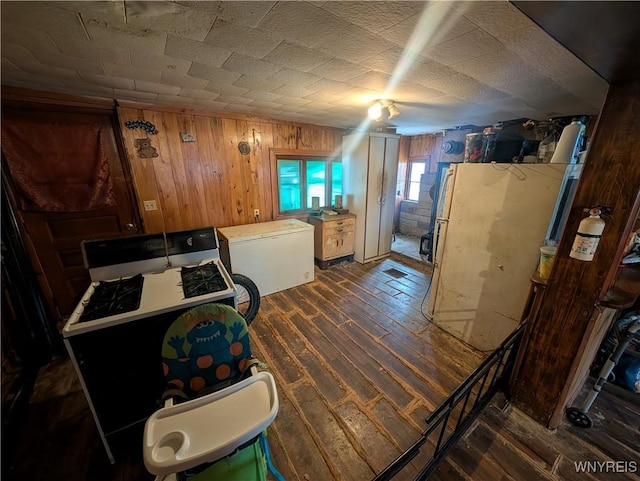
(209, 182)
(426, 146)
(556, 356)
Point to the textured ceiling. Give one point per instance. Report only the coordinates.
(444, 63)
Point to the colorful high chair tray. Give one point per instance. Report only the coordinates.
(205, 429)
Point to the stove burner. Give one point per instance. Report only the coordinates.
(200, 280)
(110, 298)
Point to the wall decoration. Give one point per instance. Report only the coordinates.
(145, 149)
(185, 137)
(244, 147)
(141, 124)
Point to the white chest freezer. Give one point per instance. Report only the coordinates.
(276, 255)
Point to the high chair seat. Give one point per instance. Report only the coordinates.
(217, 430)
(205, 429)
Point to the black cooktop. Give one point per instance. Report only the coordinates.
(110, 298)
(200, 280)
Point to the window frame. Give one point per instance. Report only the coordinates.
(426, 160)
(329, 157)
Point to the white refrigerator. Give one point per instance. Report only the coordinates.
(491, 221)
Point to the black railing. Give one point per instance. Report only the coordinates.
(469, 398)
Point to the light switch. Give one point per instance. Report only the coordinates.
(150, 205)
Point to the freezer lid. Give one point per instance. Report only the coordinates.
(261, 230)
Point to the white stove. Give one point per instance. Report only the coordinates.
(139, 286)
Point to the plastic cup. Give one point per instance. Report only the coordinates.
(546, 261)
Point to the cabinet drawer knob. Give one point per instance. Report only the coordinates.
(339, 230)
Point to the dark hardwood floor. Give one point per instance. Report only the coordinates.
(358, 368)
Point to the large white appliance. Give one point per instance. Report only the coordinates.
(140, 285)
(276, 255)
(492, 220)
(369, 171)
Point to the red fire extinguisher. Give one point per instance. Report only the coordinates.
(588, 236)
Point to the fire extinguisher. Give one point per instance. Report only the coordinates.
(588, 236)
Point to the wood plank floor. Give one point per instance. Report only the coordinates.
(358, 368)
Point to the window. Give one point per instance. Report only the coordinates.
(416, 169)
(300, 178)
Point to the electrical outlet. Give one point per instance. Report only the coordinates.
(256, 213)
(150, 205)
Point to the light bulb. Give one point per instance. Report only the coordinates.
(393, 111)
(375, 111)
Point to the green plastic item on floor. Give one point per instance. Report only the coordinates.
(248, 464)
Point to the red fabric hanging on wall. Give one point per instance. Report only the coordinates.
(58, 167)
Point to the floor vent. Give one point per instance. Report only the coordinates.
(395, 273)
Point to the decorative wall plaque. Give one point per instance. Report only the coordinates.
(145, 149)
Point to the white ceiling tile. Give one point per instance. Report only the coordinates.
(211, 104)
(42, 16)
(374, 16)
(330, 86)
(341, 70)
(231, 99)
(121, 35)
(27, 38)
(225, 89)
(466, 88)
(134, 95)
(109, 81)
(354, 44)
(291, 91)
(243, 13)
(303, 23)
(423, 72)
(175, 100)
(263, 104)
(126, 71)
(293, 77)
(371, 80)
(8, 65)
(143, 86)
(495, 68)
(211, 73)
(261, 95)
(384, 61)
(169, 17)
(436, 24)
(466, 46)
(293, 101)
(184, 48)
(248, 41)
(186, 81)
(198, 94)
(249, 66)
(272, 54)
(296, 57)
(254, 83)
(496, 16)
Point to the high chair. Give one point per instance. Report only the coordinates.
(217, 405)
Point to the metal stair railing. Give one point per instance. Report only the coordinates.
(492, 375)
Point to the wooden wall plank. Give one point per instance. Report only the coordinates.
(209, 182)
(142, 171)
(561, 338)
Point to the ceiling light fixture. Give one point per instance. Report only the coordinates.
(393, 110)
(376, 110)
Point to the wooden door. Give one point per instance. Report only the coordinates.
(53, 238)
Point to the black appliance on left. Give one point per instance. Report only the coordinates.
(114, 336)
